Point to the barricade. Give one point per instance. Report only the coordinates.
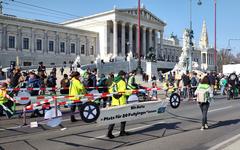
(41, 100)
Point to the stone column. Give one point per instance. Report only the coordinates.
(123, 39)
(130, 46)
(87, 45)
(45, 44)
(57, 51)
(32, 49)
(136, 50)
(161, 43)
(150, 38)
(156, 42)
(115, 39)
(19, 39)
(105, 49)
(67, 46)
(97, 47)
(4, 37)
(77, 45)
(144, 42)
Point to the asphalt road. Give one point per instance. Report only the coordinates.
(177, 129)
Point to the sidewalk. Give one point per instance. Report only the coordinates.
(230, 144)
(233, 146)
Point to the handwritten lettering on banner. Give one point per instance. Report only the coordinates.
(131, 112)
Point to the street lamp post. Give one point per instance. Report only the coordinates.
(215, 34)
(191, 37)
(139, 68)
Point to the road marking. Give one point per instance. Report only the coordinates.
(41, 123)
(132, 129)
(220, 109)
(10, 128)
(224, 142)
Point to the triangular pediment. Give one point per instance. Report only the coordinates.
(144, 14)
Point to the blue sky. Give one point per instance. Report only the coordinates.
(174, 12)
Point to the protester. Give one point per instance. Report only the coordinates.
(76, 88)
(193, 84)
(103, 88)
(118, 85)
(186, 83)
(153, 93)
(204, 94)
(34, 82)
(131, 83)
(65, 83)
(223, 84)
(14, 77)
(6, 105)
(41, 68)
(2, 74)
(62, 70)
(52, 82)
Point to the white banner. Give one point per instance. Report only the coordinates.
(131, 112)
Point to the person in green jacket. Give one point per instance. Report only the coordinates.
(118, 85)
(131, 84)
(204, 94)
(223, 84)
(6, 105)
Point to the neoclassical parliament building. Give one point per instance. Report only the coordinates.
(108, 35)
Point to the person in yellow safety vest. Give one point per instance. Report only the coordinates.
(5, 104)
(76, 88)
(131, 84)
(118, 85)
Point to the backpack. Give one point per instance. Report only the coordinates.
(51, 82)
(35, 84)
(203, 95)
(114, 88)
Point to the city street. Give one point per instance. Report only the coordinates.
(175, 129)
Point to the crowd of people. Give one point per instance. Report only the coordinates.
(186, 83)
(191, 85)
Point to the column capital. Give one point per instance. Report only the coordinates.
(123, 23)
(130, 25)
(115, 21)
(144, 28)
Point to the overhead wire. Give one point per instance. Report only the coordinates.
(34, 9)
(42, 13)
(25, 11)
(40, 7)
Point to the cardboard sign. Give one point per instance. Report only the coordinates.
(131, 112)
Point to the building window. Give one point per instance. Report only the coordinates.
(62, 47)
(51, 46)
(172, 58)
(83, 49)
(27, 63)
(92, 50)
(25, 43)
(73, 48)
(39, 44)
(11, 41)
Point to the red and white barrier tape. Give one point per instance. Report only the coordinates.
(48, 89)
(83, 95)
